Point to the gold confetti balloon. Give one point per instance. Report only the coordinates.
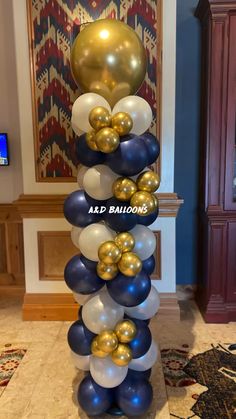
(148, 181)
(123, 188)
(130, 264)
(122, 355)
(107, 272)
(144, 203)
(96, 351)
(125, 331)
(90, 140)
(107, 140)
(122, 123)
(109, 252)
(99, 118)
(125, 241)
(107, 341)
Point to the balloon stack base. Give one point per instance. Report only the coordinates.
(115, 411)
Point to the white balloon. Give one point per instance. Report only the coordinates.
(98, 182)
(81, 109)
(75, 233)
(145, 241)
(148, 308)
(92, 237)
(82, 362)
(139, 110)
(81, 299)
(80, 176)
(75, 127)
(146, 361)
(106, 373)
(101, 312)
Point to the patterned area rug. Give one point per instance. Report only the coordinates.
(9, 362)
(200, 385)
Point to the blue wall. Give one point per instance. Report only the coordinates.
(187, 138)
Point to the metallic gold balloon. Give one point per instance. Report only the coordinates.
(125, 241)
(99, 118)
(96, 351)
(155, 199)
(90, 140)
(107, 140)
(125, 331)
(123, 188)
(122, 123)
(107, 272)
(108, 57)
(144, 203)
(109, 252)
(107, 341)
(148, 181)
(130, 264)
(122, 355)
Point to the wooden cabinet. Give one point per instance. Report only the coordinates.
(217, 221)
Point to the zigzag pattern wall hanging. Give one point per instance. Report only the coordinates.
(53, 26)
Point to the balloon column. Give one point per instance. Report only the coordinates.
(110, 215)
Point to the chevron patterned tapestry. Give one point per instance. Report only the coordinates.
(54, 25)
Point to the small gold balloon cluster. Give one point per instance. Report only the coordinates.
(115, 343)
(117, 256)
(140, 193)
(107, 129)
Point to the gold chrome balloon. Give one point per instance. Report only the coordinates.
(125, 241)
(96, 351)
(109, 252)
(99, 118)
(148, 181)
(155, 199)
(125, 331)
(107, 272)
(90, 140)
(122, 123)
(144, 203)
(123, 188)
(108, 57)
(107, 140)
(122, 355)
(130, 264)
(107, 341)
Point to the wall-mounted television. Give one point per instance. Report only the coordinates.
(4, 156)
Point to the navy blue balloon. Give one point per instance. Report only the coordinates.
(119, 222)
(152, 147)
(90, 264)
(80, 338)
(142, 340)
(87, 156)
(129, 291)
(134, 396)
(76, 209)
(130, 158)
(94, 399)
(137, 320)
(149, 265)
(147, 220)
(80, 278)
(139, 375)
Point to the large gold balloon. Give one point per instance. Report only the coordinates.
(90, 140)
(144, 203)
(107, 272)
(125, 331)
(122, 355)
(108, 58)
(148, 181)
(109, 252)
(122, 123)
(130, 264)
(125, 241)
(123, 188)
(99, 118)
(107, 140)
(107, 341)
(96, 350)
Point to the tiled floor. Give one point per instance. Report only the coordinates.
(45, 383)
